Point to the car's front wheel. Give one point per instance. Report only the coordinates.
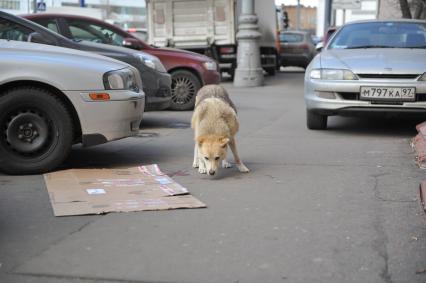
(185, 86)
(315, 121)
(36, 131)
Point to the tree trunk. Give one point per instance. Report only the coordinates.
(420, 6)
(405, 9)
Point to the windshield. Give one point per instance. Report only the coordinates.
(380, 35)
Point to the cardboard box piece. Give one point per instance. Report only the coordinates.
(96, 191)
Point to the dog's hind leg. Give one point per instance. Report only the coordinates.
(238, 162)
(195, 164)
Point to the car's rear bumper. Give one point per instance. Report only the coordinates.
(114, 119)
(300, 59)
(346, 97)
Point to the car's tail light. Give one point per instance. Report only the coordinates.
(304, 46)
(226, 50)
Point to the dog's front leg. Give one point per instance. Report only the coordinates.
(238, 162)
(195, 164)
(226, 164)
(201, 164)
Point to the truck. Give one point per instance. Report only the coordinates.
(209, 27)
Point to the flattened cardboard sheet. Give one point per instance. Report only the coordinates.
(96, 191)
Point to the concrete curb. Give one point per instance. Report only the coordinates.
(419, 145)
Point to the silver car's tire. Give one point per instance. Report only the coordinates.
(315, 121)
(36, 131)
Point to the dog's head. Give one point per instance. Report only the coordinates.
(212, 149)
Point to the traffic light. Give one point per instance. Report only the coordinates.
(285, 19)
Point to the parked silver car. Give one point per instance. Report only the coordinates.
(369, 66)
(52, 97)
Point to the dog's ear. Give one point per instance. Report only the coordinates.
(224, 141)
(201, 140)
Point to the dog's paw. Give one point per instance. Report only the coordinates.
(243, 168)
(195, 165)
(226, 164)
(202, 170)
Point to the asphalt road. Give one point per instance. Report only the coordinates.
(339, 205)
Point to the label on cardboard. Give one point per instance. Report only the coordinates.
(95, 191)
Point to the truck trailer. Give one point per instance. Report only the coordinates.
(209, 27)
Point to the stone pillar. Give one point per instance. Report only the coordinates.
(249, 71)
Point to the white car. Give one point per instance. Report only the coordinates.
(52, 98)
(375, 66)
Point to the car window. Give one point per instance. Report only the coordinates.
(381, 35)
(291, 37)
(12, 31)
(48, 23)
(83, 30)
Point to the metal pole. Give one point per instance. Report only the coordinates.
(249, 71)
(298, 15)
(327, 17)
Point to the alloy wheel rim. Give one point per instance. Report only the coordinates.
(183, 90)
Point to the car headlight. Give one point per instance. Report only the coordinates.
(210, 65)
(121, 79)
(332, 74)
(423, 77)
(151, 61)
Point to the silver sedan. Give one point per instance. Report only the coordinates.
(52, 97)
(369, 66)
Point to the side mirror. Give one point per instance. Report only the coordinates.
(37, 38)
(319, 46)
(132, 43)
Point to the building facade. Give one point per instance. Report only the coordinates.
(308, 17)
(127, 13)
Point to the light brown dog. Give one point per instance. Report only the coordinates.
(215, 124)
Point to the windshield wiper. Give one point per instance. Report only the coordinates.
(370, 46)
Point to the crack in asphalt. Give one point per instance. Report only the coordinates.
(86, 278)
(380, 243)
(54, 243)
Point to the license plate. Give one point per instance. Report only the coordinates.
(388, 93)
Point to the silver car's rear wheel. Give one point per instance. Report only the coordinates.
(36, 131)
(315, 121)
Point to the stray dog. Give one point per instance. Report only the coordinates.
(215, 124)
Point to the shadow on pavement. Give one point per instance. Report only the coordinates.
(379, 126)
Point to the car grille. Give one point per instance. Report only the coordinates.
(388, 76)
